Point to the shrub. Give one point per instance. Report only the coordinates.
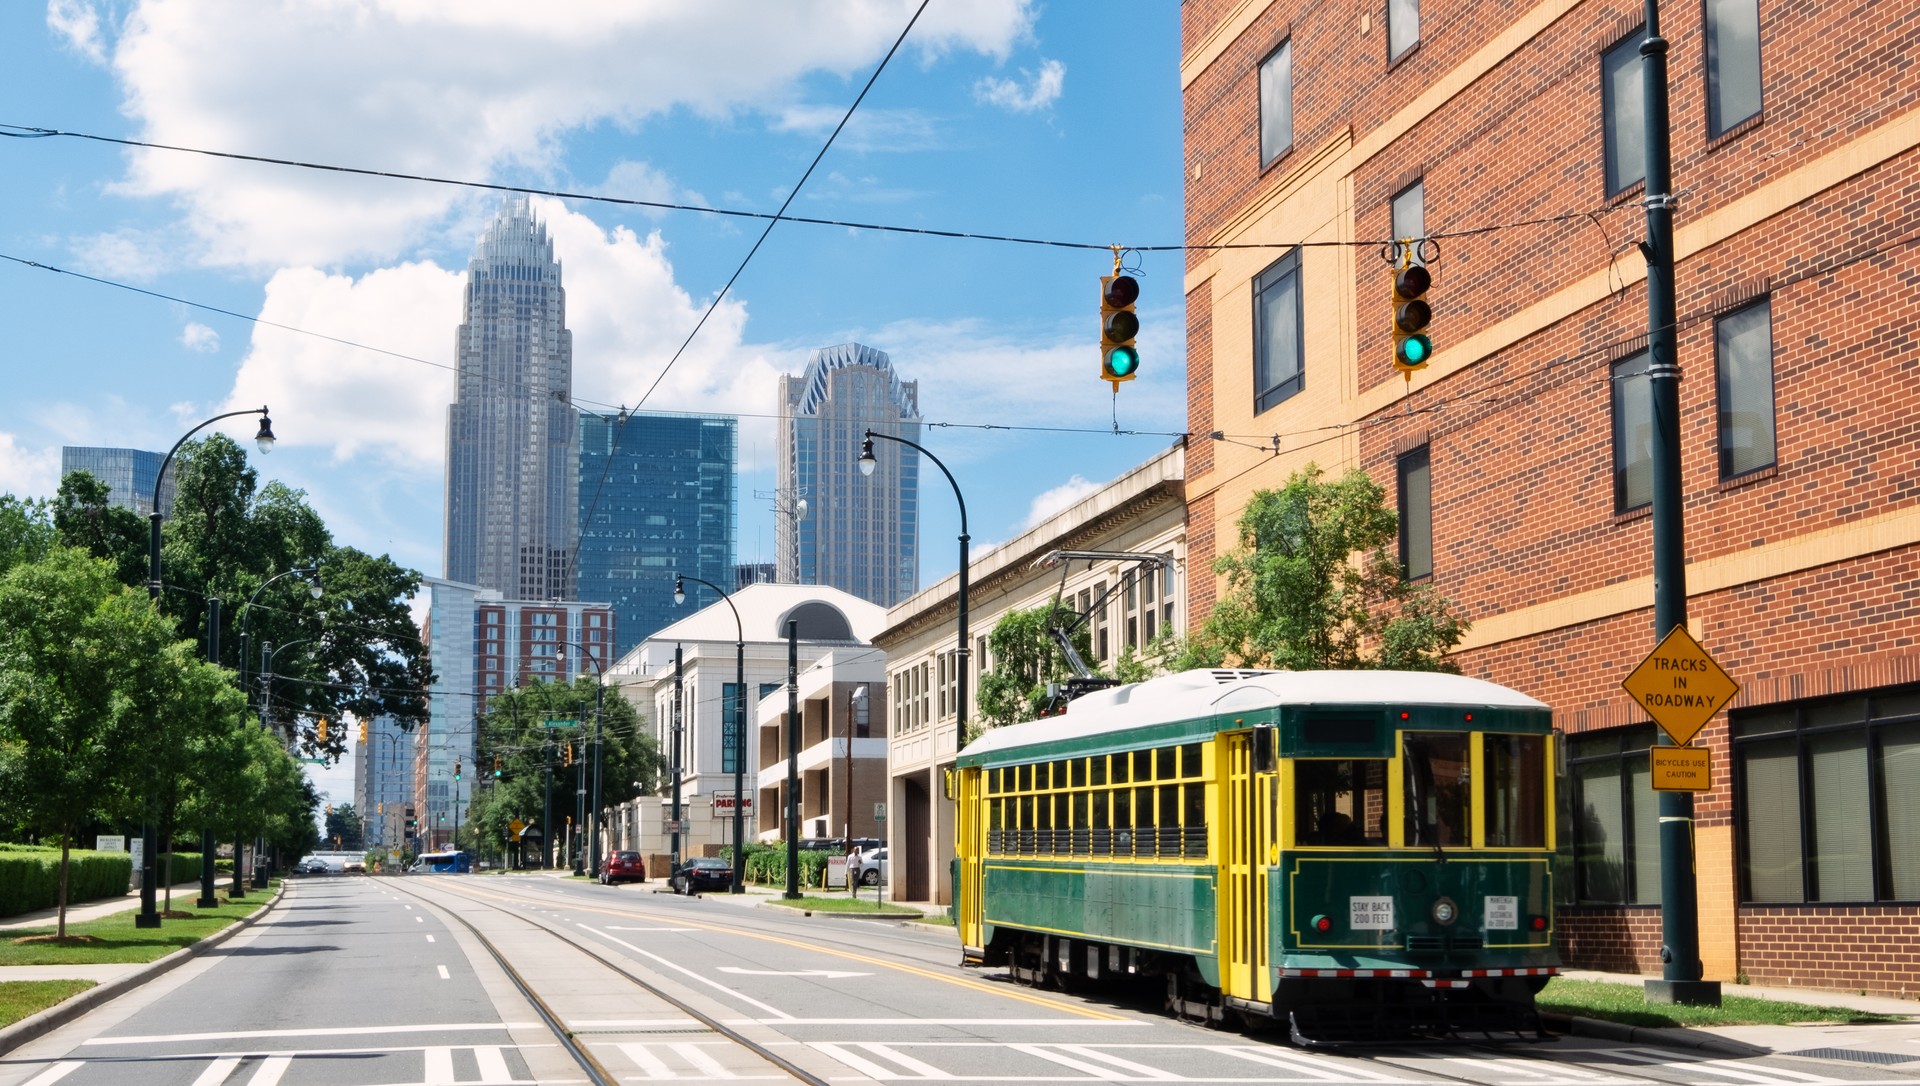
(30, 878)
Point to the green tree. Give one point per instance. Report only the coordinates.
(514, 731)
(27, 533)
(85, 517)
(1315, 583)
(1025, 659)
(354, 651)
(85, 666)
(345, 824)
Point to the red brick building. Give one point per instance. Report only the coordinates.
(1509, 135)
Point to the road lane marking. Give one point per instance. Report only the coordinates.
(742, 997)
(439, 1066)
(419, 919)
(493, 1064)
(346, 1031)
(429, 937)
(54, 1074)
(444, 975)
(827, 973)
(272, 1069)
(1298, 1062)
(612, 928)
(217, 1072)
(1096, 1064)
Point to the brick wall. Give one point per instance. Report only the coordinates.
(1611, 940)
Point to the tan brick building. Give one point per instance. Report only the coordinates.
(1510, 135)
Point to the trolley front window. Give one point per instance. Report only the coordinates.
(1340, 802)
(1436, 766)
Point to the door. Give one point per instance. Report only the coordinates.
(970, 846)
(1244, 807)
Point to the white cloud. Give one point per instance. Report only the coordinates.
(28, 473)
(79, 23)
(1042, 89)
(454, 88)
(1059, 499)
(626, 313)
(198, 337)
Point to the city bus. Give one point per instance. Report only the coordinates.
(442, 863)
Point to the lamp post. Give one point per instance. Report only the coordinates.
(311, 572)
(599, 695)
(149, 915)
(739, 726)
(866, 468)
(858, 697)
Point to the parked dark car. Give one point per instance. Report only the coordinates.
(702, 873)
(623, 867)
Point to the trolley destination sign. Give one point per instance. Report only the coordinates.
(1680, 686)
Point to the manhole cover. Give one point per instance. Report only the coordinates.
(1856, 1055)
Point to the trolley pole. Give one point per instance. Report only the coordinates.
(1681, 969)
(679, 676)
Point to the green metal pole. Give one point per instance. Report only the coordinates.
(1681, 969)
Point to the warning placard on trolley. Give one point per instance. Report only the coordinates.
(1680, 686)
(1682, 769)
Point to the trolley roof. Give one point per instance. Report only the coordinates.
(1193, 694)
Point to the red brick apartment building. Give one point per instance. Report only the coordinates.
(1510, 134)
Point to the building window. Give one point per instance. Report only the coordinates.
(1403, 26)
(1276, 103)
(1278, 365)
(1416, 513)
(1743, 363)
(1733, 63)
(1624, 114)
(1823, 799)
(1409, 208)
(1615, 818)
(1632, 434)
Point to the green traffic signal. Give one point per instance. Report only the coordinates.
(1412, 347)
(1122, 361)
(1119, 324)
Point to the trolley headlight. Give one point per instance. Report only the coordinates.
(1444, 911)
(1323, 923)
(1538, 923)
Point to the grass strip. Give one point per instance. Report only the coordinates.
(114, 940)
(1627, 1005)
(23, 998)
(837, 904)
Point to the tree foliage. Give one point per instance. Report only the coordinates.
(1315, 583)
(1025, 659)
(514, 731)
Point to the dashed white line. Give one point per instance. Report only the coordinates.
(444, 975)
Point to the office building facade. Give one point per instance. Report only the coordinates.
(656, 499)
(128, 473)
(512, 515)
(859, 534)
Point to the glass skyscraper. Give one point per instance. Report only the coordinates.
(859, 534)
(512, 467)
(129, 474)
(656, 498)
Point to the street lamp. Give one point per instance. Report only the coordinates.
(858, 699)
(149, 915)
(599, 695)
(739, 726)
(866, 468)
(312, 573)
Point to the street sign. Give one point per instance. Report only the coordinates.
(560, 722)
(879, 812)
(1680, 686)
(676, 825)
(516, 826)
(723, 801)
(1682, 769)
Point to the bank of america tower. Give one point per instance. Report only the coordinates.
(512, 519)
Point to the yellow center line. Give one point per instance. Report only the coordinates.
(1033, 998)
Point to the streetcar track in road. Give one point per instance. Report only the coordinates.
(596, 1071)
(1020, 995)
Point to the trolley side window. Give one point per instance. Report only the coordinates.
(1436, 781)
(1515, 790)
(1340, 803)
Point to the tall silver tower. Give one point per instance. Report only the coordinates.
(859, 534)
(512, 520)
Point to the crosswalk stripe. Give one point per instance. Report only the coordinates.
(272, 1069)
(1097, 1063)
(439, 1067)
(217, 1072)
(493, 1064)
(53, 1074)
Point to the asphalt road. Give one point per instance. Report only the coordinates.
(376, 982)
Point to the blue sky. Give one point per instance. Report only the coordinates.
(1055, 121)
(1051, 121)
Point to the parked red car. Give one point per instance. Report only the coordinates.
(623, 867)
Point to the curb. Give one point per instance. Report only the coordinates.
(37, 1025)
(1692, 1040)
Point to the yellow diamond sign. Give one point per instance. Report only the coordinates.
(1680, 686)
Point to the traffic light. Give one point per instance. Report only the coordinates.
(456, 769)
(329, 810)
(496, 767)
(321, 731)
(1411, 315)
(569, 752)
(1119, 358)
(363, 733)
